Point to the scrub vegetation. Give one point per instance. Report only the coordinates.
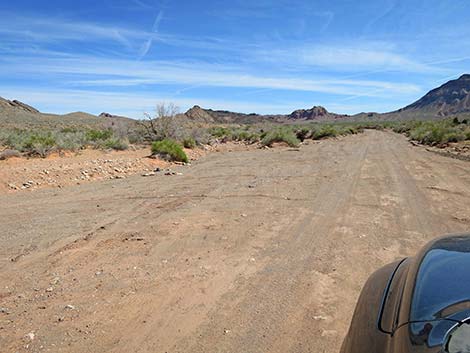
(169, 150)
(42, 142)
(435, 133)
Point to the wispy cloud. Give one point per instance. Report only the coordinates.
(18, 30)
(77, 56)
(148, 44)
(142, 4)
(39, 30)
(328, 16)
(347, 57)
(350, 56)
(83, 71)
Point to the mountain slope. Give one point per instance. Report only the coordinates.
(15, 114)
(452, 97)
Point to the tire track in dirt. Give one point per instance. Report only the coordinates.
(256, 251)
(274, 293)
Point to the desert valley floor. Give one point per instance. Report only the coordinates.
(248, 251)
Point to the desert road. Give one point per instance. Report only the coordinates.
(251, 252)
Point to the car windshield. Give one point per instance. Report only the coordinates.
(442, 284)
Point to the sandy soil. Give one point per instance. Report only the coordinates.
(459, 150)
(254, 251)
(75, 168)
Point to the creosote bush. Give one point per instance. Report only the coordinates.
(280, 135)
(435, 133)
(169, 150)
(41, 143)
(189, 142)
(113, 143)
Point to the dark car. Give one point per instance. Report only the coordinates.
(418, 304)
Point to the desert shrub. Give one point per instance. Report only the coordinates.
(402, 128)
(163, 124)
(67, 130)
(219, 132)
(169, 150)
(303, 133)
(32, 143)
(454, 136)
(114, 143)
(189, 142)
(280, 135)
(200, 135)
(3, 137)
(41, 143)
(134, 137)
(324, 131)
(71, 140)
(434, 132)
(351, 130)
(98, 135)
(244, 135)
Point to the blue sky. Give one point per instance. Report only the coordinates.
(124, 57)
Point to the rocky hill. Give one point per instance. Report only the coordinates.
(197, 114)
(451, 98)
(17, 105)
(16, 114)
(316, 113)
(201, 115)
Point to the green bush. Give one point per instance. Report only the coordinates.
(244, 135)
(41, 143)
(38, 144)
(97, 135)
(324, 131)
(303, 133)
(435, 132)
(169, 150)
(189, 142)
(219, 132)
(114, 143)
(71, 140)
(31, 143)
(280, 135)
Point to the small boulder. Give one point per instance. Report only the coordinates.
(9, 154)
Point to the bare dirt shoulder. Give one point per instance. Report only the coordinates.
(458, 150)
(75, 168)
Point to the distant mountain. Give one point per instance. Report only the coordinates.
(17, 105)
(316, 113)
(198, 114)
(209, 116)
(111, 116)
(16, 114)
(452, 97)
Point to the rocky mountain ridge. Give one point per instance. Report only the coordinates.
(451, 98)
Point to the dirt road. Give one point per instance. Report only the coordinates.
(255, 251)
